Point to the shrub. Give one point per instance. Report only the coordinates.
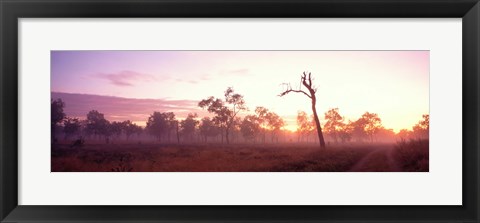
(413, 154)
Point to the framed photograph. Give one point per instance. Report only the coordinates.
(228, 111)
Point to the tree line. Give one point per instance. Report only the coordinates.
(227, 125)
(367, 128)
(223, 127)
(95, 125)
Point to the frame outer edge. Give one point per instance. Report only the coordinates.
(2, 191)
(477, 217)
(471, 108)
(9, 114)
(3, 209)
(8, 110)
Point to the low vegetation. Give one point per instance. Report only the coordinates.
(413, 154)
(204, 158)
(229, 141)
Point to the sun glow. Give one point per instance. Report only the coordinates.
(393, 84)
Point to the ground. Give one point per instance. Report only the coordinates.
(378, 160)
(152, 157)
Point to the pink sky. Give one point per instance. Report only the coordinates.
(393, 84)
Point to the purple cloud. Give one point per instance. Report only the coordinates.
(121, 109)
(125, 77)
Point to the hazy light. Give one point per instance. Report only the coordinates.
(393, 84)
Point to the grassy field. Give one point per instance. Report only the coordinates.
(141, 157)
(219, 158)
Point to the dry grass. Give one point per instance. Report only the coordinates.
(205, 158)
(413, 155)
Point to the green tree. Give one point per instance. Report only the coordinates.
(189, 125)
(404, 134)
(157, 125)
(71, 126)
(334, 123)
(57, 116)
(262, 113)
(422, 128)
(372, 124)
(250, 127)
(97, 124)
(275, 124)
(345, 131)
(130, 128)
(358, 129)
(117, 128)
(172, 124)
(208, 128)
(225, 110)
(304, 125)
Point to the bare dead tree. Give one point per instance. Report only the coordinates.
(306, 80)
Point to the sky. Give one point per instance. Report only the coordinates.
(393, 84)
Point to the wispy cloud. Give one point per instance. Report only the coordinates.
(206, 77)
(125, 77)
(200, 78)
(187, 81)
(236, 72)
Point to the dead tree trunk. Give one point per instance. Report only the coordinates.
(307, 82)
(317, 122)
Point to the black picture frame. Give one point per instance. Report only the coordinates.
(12, 10)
